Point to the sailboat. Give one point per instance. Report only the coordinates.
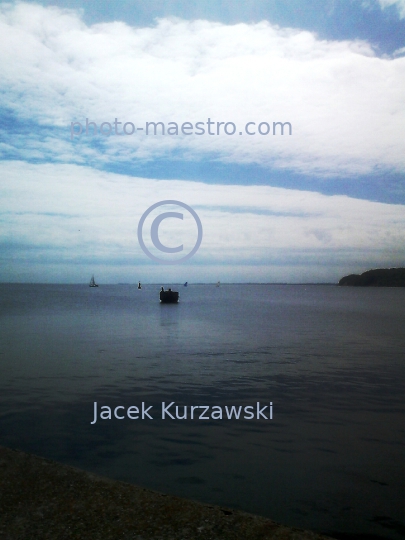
(186, 283)
(218, 284)
(92, 282)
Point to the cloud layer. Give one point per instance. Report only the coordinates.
(345, 103)
(63, 222)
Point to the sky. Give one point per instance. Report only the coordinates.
(280, 123)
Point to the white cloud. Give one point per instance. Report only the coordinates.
(60, 221)
(399, 52)
(344, 103)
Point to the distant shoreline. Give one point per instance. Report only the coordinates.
(380, 277)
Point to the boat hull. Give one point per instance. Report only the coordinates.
(169, 297)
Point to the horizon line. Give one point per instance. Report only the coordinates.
(158, 284)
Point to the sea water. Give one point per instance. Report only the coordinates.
(329, 359)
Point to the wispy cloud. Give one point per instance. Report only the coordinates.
(399, 4)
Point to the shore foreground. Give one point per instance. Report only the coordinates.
(42, 499)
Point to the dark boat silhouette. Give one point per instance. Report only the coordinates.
(169, 296)
(139, 285)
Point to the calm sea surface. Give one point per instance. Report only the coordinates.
(330, 359)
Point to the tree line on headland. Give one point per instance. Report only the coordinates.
(381, 277)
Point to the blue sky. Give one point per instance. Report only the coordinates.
(379, 23)
(327, 200)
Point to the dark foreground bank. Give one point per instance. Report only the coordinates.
(41, 499)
